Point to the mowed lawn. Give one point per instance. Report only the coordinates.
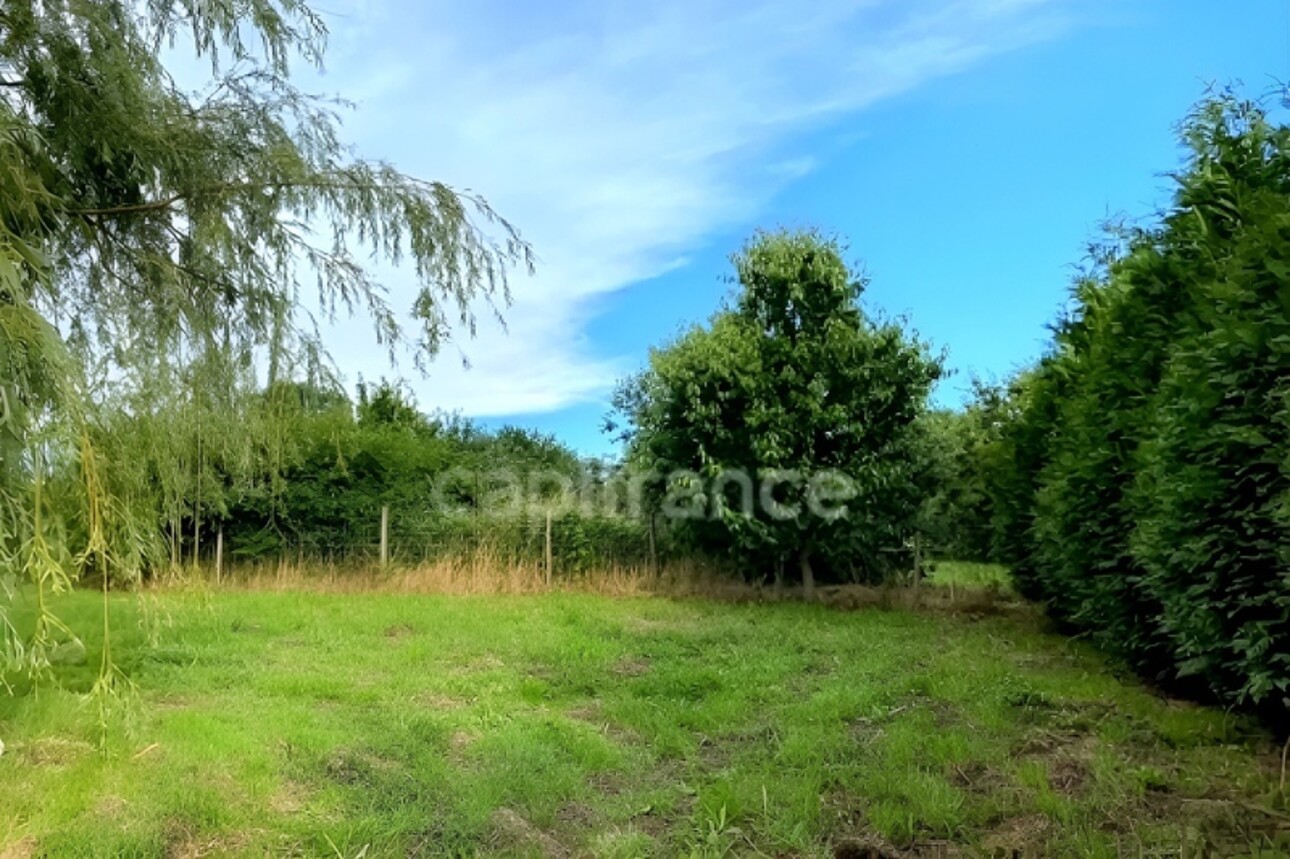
(307, 724)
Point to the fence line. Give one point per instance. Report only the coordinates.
(557, 543)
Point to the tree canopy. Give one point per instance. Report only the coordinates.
(788, 425)
(160, 246)
(134, 212)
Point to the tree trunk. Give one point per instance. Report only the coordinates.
(808, 576)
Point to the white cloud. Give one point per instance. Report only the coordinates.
(619, 135)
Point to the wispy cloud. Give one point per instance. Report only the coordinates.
(620, 135)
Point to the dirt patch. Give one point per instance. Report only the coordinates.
(865, 731)
(345, 767)
(590, 714)
(488, 662)
(1062, 717)
(939, 850)
(1061, 727)
(576, 815)
(462, 740)
(944, 713)
(350, 767)
(842, 815)
(52, 751)
(174, 702)
(512, 831)
(853, 837)
(866, 847)
(977, 777)
(1067, 755)
(714, 755)
(1068, 775)
(111, 808)
(972, 603)
(632, 666)
(652, 824)
(23, 848)
(1222, 827)
(290, 798)
(440, 701)
(655, 625)
(1018, 836)
(182, 842)
(606, 783)
(399, 631)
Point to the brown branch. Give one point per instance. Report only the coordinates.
(235, 187)
(133, 258)
(152, 206)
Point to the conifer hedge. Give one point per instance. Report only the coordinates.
(1142, 487)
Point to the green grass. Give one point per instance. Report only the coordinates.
(966, 574)
(392, 725)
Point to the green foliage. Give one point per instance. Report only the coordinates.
(149, 212)
(453, 489)
(958, 512)
(1142, 482)
(790, 380)
(155, 245)
(970, 575)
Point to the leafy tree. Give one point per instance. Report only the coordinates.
(387, 405)
(156, 243)
(795, 389)
(958, 512)
(513, 445)
(144, 211)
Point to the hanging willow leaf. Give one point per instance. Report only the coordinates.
(158, 245)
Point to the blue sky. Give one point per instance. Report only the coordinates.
(966, 149)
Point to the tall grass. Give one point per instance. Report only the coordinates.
(479, 571)
(952, 586)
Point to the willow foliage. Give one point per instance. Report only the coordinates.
(157, 244)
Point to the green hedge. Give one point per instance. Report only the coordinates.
(580, 542)
(1143, 484)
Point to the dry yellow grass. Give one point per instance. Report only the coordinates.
(476, 573)
(484, 572)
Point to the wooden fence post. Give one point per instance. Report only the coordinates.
(385, 535)
(918, 567)
(219, 555)
(549, 553)
(653, 552)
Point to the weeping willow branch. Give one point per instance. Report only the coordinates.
(156, 244)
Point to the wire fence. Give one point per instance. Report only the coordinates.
(563, 542)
